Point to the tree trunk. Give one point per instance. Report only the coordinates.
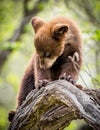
(54, 107)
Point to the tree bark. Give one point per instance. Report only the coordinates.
(54, 107)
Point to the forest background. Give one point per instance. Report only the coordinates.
(16, 43)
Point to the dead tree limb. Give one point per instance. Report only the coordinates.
(53, 108)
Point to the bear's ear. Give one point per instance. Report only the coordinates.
(37, 23)
(59, 30)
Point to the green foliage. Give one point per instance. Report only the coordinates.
(30, 4)
(96, 35)
(10, 13)
(41, 6)
(3, 118)
(72, 126)
(96, 81)
(10, 45)
(96, 10)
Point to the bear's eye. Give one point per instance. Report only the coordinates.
(46, 55)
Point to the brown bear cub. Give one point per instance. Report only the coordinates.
(57, 43)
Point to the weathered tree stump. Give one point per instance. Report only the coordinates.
(53, 107)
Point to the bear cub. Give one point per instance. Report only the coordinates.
(57, 43)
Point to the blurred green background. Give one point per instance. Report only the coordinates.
(16, 43)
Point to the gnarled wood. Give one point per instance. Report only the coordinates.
(53, 107)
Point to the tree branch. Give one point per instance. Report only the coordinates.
(53, 107)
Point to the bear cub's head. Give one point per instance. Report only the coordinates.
(49, 40)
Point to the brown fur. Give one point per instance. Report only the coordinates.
(54, 41)
(59, 46)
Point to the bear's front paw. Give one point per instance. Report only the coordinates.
(68, 78)
(42, 83)
(63, 76)
(71, 80)
(11, 115)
